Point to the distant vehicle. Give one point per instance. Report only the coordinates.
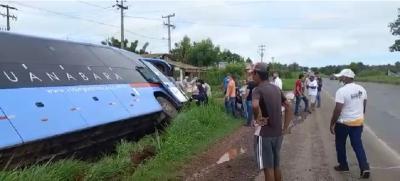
(60, 98)
(332, 77)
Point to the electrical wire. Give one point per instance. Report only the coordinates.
(85, 19)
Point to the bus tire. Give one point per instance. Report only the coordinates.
(168, 108)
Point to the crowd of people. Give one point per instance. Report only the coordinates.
(261, 101)
(264, 105)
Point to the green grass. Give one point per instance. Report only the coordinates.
(189, 134)
(288, 84)
(380, 79)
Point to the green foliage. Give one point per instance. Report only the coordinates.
(132, 48)
(356, 67)
(182, 50)
(216, 76)
(395, 30)
(189, 134)
(359, 67)
(366, 73)
(288, 84)
(228, 56)
(202, 53)
(380, 79)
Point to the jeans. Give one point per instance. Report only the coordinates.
(230, 106)
(298, 99)
(354, 132)
(319, 99)
(249, 108)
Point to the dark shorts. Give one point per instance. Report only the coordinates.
(267, 150)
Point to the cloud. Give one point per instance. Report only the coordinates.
(310, 33)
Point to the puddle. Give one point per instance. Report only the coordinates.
(230, 155)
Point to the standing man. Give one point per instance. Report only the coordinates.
(299, 93)
(230, 96)
(248, 96)
(347, 120)
(319, 80)
(277, 81)
(225, 82)
(312, 88)
(224, 87)
(268, 99)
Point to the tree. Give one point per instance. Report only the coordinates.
(228, 56)
(132, 48)
(182, 50)
(356, 67)
(395, 30)
(143, 50)
(204, 53)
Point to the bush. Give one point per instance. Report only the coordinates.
(366, 73)
(215, 76)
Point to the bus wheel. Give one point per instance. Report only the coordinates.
(168, 108)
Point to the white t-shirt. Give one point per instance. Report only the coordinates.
(312, 87)
(352, 97)
(278, 82)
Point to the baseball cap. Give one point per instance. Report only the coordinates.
(260, 67)
(346, 73)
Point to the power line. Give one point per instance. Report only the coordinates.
(169, 26)
(94, 5)
(7, 15)
(85, 19)
(141, 17)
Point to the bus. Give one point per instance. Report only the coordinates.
(59, 98)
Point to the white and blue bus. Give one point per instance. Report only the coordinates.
(59, 98)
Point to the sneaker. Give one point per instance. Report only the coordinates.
(341, 168)
(365, 174)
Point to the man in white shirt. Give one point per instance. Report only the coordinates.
(347, 120)
(277, 81)
(312, 87)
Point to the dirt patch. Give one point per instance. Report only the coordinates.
(235, 155)
(139, 157)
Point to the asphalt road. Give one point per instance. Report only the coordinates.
(383, 110)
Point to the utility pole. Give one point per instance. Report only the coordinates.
(8, 16)
(120, 5)
(169, 26)
(261, 51)
(272, 63)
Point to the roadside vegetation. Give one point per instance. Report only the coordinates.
(380, 79)
(154, 157)
(368, 73)
(288, 84)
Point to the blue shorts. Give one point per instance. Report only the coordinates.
(267, 150)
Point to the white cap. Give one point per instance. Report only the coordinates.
(346, 73)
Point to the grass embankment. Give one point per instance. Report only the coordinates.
(189, 134)
(380, 79)
(288, 84)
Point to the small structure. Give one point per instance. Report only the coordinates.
(183, 69)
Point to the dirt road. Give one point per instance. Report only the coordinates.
(308, 154)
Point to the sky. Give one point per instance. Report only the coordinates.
(311, 33)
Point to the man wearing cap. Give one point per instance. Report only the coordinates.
(268, 99)
(347, 120)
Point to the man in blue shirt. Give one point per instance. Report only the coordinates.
(226, 81)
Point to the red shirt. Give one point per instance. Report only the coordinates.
(298, 88)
